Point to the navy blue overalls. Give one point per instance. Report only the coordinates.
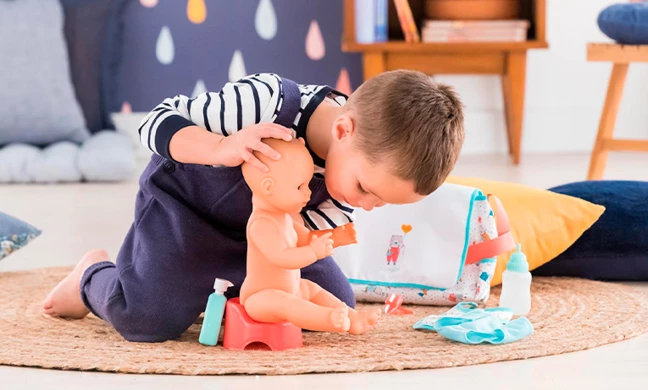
(189, 228)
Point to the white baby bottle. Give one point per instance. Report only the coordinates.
(516, 285)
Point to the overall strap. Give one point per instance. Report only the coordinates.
(290, 105)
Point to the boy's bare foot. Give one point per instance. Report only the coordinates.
(363, 321)
(65, 298)
(340, 318)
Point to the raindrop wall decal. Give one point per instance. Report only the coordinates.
(343, 83)
(126, 108)
(265, 20)
(237, 67)
(200, 88)
(149, 3)
(315, 49)
(196, 11)
(164, 47)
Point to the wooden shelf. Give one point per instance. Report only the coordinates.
(506, 59)
(450, 47)
(620, 54)
(533, 10)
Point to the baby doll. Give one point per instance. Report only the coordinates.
(279, 245)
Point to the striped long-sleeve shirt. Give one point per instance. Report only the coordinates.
(253, 99)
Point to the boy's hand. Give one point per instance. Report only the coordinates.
(239, 147)
(345, 235)
(322, 246)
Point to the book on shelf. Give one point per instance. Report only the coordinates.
(406, 19)
(516, 23)
(459, 37)
(371, 21)
(475, 31)
(381, 8)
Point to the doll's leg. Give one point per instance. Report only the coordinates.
(278, 306)
(361, 321)
(328, 275)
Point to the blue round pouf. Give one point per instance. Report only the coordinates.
(625, 23)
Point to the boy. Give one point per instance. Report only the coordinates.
(394, 141)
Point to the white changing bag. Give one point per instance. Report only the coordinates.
(438, 251)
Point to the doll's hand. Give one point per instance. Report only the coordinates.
(345, 235)
(322, 246)
(239, 147)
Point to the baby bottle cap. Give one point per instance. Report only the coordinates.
(222, 285)
(518, 261)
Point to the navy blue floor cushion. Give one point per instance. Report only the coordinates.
(625, 23)
(616, 246)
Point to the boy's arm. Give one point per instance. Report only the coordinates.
(198, 125)
(264, 234)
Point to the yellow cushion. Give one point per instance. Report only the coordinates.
(544, 222)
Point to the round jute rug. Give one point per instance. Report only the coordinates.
(568, 315)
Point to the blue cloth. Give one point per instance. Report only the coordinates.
(468, 324)
(189, 228)
(616, 247)
(625, 23)
(14, 234)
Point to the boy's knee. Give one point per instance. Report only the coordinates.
(345, 294)
(152, 326)
(328, 275)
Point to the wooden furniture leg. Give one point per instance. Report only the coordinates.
(514, 83)
(607, 122)
(374, 64)
(507, 121)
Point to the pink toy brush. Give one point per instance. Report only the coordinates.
(393, 305)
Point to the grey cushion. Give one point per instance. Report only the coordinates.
(38, 104)
(106, 156)
(22, 163)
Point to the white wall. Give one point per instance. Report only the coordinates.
(564, 92)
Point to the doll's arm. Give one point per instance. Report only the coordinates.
(303, 234)
(264, 234)
(341, 235)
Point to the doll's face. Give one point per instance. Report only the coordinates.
(291, 192)
(285, 187)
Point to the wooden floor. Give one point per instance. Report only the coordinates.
(75, 218)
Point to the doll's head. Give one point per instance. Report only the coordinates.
(285, 186)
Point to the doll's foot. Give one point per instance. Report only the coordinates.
(340, 319)
(65, 298)
(363, 321)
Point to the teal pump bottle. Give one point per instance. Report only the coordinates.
(214, 313)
